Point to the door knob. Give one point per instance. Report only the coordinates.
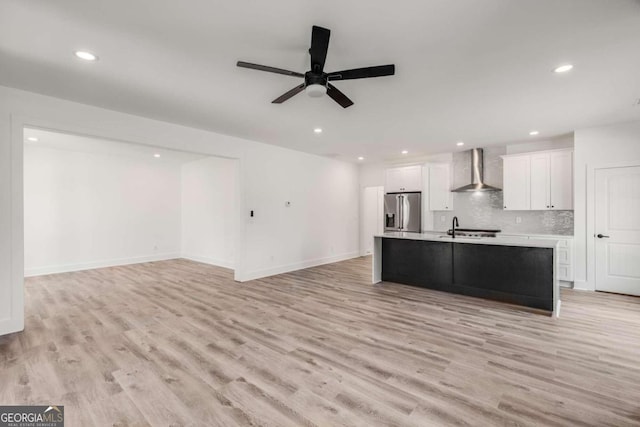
(602, 236)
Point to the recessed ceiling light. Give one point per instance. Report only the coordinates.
(534, 133)
(317, 130)
(460, 144)
(157, 156)
(87, 56)
(563, 68)
(32, 139)
(360, 158)
(405, 152)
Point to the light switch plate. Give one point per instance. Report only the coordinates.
(518, 220)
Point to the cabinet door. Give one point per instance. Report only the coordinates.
(516, 187)
(561, 180)
(540, 172)
(393, 180)
(407, 178)
(412, 178)
(440, 196)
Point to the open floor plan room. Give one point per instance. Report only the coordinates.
(180, 343)
(285, 213)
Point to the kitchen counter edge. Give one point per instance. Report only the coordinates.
(502, 241)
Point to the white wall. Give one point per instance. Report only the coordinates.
(84, 210)
(371, 218)
(320, 226)
(607, 146)
(209, 204)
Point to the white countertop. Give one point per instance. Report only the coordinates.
(502, 241)
(507, 234)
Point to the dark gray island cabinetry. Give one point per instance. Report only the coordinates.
(518, 272)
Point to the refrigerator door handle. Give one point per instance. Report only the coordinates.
(400, 212)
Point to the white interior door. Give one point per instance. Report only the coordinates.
(617, 229)
(372, 217)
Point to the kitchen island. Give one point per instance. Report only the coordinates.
(513, 270)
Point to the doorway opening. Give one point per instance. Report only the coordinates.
(91, 203)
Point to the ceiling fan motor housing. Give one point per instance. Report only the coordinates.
(311, 78)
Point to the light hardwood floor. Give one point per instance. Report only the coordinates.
(180, 343)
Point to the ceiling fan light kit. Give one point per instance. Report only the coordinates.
(315, 90)
(317, 81)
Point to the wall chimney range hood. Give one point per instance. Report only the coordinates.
(477, 174)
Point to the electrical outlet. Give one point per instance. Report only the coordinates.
(518, 219)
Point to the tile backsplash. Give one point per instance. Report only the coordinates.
(484, 210)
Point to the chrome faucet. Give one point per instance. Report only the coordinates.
(454, 224)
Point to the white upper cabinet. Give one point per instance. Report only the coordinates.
(440, 195)
(561, 185)
(548, 184)
(408, 178)
(540, 175)
(516, 186)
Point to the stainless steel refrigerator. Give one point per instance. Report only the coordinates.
(403, 212)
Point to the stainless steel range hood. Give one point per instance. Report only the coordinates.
(477, 174)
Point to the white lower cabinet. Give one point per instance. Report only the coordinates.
(565, 260)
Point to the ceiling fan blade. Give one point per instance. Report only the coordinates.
(269, 69)
(319, 46)
(363, 73)
(338, 96)
(296, 90)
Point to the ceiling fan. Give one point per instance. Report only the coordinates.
(317, 81)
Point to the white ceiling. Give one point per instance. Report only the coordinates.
(477, 71)
(84, 144)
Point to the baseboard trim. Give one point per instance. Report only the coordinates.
(253, 275)
(582, 285)
(10, 326)
(260, 274)
(210, 261)
(42, 271)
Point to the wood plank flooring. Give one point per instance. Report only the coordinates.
(180, 343)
